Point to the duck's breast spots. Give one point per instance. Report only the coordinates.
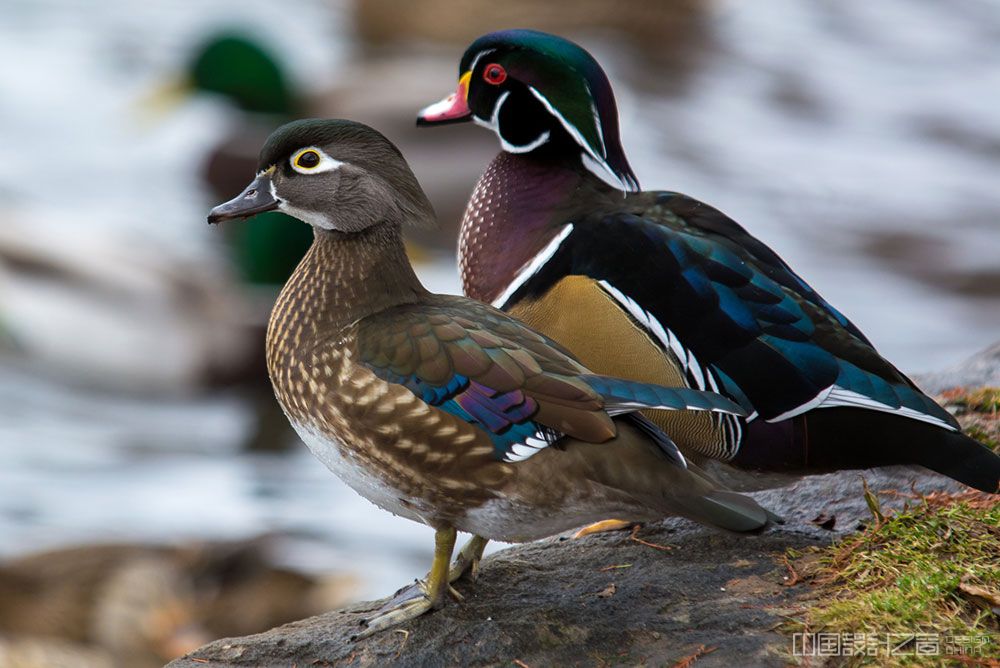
(509, 218)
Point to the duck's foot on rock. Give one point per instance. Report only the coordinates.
(394, 613)
(599, 527)
(468, 559)
(424, 595)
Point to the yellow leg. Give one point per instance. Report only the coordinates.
(430, 594)
(437, 580)
(468, 559)
(598, 527)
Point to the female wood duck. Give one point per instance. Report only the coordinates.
(662, 288)
(442, 409)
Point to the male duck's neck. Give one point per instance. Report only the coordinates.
(515, 211)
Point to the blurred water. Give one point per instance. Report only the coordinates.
(861, 140)
(79, 467)
(78, 152)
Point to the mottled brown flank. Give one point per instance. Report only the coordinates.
(444, 336)
(354, 339)
(423, 452)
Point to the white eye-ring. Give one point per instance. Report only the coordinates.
(312, 160)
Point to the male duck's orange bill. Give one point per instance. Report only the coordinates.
(452, 109)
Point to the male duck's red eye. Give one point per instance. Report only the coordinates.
(494, 74)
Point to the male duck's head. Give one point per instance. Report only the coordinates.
(333, 174)
(538, 91)
(242, 70)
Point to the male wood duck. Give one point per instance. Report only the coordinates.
(659, 287)
(439, 408)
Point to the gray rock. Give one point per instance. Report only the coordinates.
(601, 600)
(982, 369)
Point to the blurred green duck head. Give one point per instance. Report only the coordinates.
(244, 71)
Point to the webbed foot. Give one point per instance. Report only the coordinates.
(421, 597)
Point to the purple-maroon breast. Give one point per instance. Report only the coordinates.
(509, 219)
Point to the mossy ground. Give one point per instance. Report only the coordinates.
(978, 411)
(931, 570)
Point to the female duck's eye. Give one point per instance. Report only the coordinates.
(494, 74)
(307, 159)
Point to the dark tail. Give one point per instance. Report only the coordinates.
(962, 458)
(850, 438)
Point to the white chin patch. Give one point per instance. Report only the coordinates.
(312, 217)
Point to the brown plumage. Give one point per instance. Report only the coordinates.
(441, 409)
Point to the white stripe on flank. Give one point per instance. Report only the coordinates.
(809, 405)
(532, 267)
(532, 445)
(622, 407)
(677, 349)
(519, 452)
(841, 396)
(835, 395)
(668, 340)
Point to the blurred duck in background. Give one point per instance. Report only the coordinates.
(375, 87)
(142, 605)
(247, 74)
(88, 308)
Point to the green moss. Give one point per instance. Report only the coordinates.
(984, 436)
(910, 573)
(980, 400)
(978, 412)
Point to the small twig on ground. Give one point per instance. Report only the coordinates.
(796, 578)
(635, 536)
(521, 664)
(406, 636)
(688, 660)
(613, 567)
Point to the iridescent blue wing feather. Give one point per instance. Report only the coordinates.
(522, 390)
(728, 307)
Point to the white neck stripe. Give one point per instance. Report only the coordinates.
(531, 268)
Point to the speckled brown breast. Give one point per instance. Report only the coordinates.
(581, 316)
(433, 463)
